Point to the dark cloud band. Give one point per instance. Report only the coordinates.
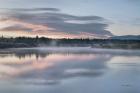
(59, 22)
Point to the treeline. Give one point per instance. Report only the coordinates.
(43, 41)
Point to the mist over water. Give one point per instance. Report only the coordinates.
(69, 70)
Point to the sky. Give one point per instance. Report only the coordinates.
(70, 18)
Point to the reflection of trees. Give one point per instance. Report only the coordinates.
(23, 53)
(30, 54)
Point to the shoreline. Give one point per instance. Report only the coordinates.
(100, 47)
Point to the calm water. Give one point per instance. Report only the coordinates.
(69, 70)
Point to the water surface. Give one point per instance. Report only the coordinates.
(69, 70)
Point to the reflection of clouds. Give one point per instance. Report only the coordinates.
(51, 66)
(67, 68)
(54, 68)
(40, 82)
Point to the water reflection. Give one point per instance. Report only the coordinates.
(35, 67)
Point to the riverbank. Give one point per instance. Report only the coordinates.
(27, 42)
(100, 45)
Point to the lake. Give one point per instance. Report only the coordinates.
(69, 70)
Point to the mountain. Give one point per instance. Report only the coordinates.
(127, 37)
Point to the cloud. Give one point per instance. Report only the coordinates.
(31, 9)
(16, 28)
(57, 22)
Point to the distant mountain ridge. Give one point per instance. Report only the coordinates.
(127, 37)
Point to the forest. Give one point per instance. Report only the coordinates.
(21, 42)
